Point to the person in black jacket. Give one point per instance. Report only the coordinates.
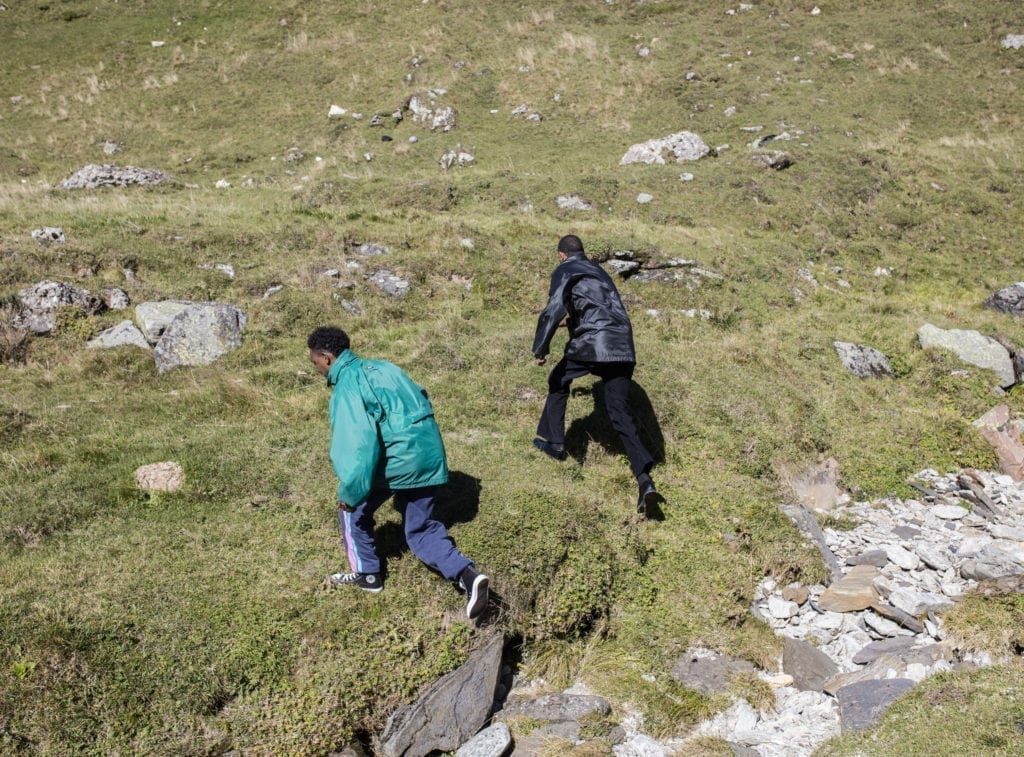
(600, 342)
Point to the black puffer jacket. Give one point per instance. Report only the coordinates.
(599, 327)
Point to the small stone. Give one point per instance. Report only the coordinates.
(782, 609)
(796, 594)
(160, 477)
(901, 557)
(949, 512)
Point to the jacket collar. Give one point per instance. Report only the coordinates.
(343, 361)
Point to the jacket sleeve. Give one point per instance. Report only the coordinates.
(355, 448)
(552, 315)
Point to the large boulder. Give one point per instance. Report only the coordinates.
(971, 347)
(41, 301)
(199, 335)
(450, 711)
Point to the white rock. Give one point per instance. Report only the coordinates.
(901, 557)
(948, 512)
(643, 198)
(336, 111)
(881, 625)
(782, 608)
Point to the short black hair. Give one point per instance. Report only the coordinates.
(328, 339)
(570, 244)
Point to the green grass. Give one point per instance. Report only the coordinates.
(196, 622)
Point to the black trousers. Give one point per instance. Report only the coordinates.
(617, 377)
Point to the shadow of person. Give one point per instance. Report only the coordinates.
(458, 501)
(598, 428)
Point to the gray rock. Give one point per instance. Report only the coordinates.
(862, 361)
(426, 111)
(572, 202)
(707, 674)
(153, 318)
(372, 248)
(123, 334)
(809, 666)
(49, 235)
(934, 556)
(41, 301)
(115, 298)
(456, 157)
(112, 148)
(995, 560)
(882, 667)
(494, 741)
(389, 283)
(683, 145)
(644, 198)
(878, 649)
(623, 267)
(199, 335)
(918, 602)
(1008, 300)
(875, 557)
(94, 176)
(853, 592)
(450, 710)
(971, 347)
(862, 704)
(1012, 41)
(556, 708)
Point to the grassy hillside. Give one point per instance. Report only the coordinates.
(197, 621)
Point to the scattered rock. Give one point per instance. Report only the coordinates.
(682, 146)
(644, 198)
(336, 111)
(369, 249)
(112, 148)
(557, 709)
(115, 298)
(124, 333)
(855, 591)
(1013, 41)
(42, 300)
(160, 477)
(94, 176)
(389, 283)
(572, 202)
(49, 235)
(455, 157)
(1008, 300)
(427, 112)
(865, 362)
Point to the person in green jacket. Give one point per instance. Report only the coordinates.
(385, 442)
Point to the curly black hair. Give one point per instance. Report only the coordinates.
(328, 339)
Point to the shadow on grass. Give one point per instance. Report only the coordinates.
(597, 428)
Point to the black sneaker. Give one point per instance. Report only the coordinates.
(649, 499)
(557, 451)
(475, 585)
(370, 582)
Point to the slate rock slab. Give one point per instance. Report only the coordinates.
(809, 666)
(862, 704)
(854, 591)
(199, 335)
(153, 318)
(555, 708)
(709, 675)
(450, 710)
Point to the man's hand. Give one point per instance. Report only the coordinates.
(539, 360)
(346, 508)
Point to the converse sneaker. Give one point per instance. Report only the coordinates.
(370, 582)
(475, 585)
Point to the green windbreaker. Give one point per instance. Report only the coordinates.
(383, 430)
